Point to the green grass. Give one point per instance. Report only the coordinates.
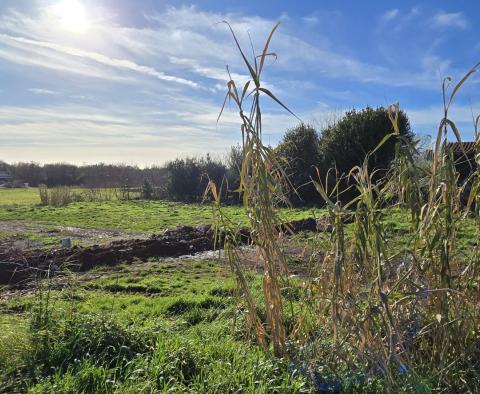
(21, 196)
(136, 216)
(103, 336)
(172, 325)
(161, 326)
(31, 196)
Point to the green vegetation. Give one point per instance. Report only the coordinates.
(137, 216)
(405, 321)
(345, 143)
(22, 196)
(300, 149)
(154, 327)
(339, 146)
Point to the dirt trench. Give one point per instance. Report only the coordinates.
(18, 266)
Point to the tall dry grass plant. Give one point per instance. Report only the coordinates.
(407, 317)
(262, 181)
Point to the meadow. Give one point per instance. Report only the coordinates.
(22, 218)
(169, 326)
(166, 325)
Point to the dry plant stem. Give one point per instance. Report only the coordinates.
(225, 228)
(257, 182)
(439, 222)
(261, 181)
(474, 196)
(380, 309)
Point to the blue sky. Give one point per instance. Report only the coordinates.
(143, 81)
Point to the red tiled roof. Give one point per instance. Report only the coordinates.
(456, 147)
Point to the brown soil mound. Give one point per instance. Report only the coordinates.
(16, 266)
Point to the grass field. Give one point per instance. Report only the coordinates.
(156, 327)
(138, 216)
(22, 196)
(162, 326)
(23, 220)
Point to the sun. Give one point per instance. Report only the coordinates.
(71, 16)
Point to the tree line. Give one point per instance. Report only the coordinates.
(307, 154)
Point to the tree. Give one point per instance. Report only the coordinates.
(187, 179)
(234, 167)
(183, 179)
(346, 143)
(31, 173)
(61, 174)
(299, 150)
(148, 192)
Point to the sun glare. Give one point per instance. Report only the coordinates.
(71, 15)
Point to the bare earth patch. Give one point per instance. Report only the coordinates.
(25, 235)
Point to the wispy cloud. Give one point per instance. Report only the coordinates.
(397, 19)
(452, 19)
(40, 91)
(389, 15)
(311, 19)
(150, 92)
(145, 134)
(100, 58)
(189, 38)
(428, 118)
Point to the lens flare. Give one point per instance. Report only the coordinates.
(71, 16)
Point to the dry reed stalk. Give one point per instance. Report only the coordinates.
(261, 181)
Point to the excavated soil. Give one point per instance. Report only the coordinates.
(18, 265)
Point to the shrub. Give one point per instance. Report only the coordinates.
(147, 192)
(43, 191)
(58, 196)
(188, 178)
(299, 148)
(61, 196)
(234, 167)
(346, 143)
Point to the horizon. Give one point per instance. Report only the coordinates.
(85, 82)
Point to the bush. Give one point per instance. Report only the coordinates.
(234, 167)
(147, 192)
(59, 196)
(345, 143)
(43, 192)
(187, 178)
(299, 148)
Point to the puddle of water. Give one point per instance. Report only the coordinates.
(214, 254)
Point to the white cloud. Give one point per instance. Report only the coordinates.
(397, 20)
(426, 120)
(135, 99)
(40, 91)
(311, 19)
(453, 19)
(389, 15)
(434, 114)
(99, 58)
(78, 133)
(186, 46)
(177, 33)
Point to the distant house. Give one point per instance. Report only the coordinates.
(464, 156)
(5, 177)
(462, 148)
